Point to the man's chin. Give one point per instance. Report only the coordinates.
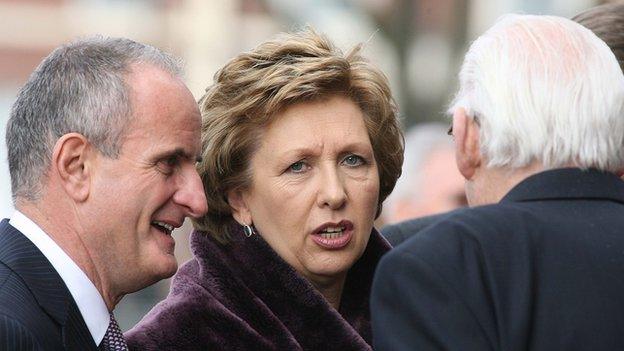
(172, 268)
(166, 268)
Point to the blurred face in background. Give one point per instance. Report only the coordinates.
(315, 187)
(442, 187)
(439, 188)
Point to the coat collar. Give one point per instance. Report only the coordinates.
(279, 291)
(568, 183)
(23, 258)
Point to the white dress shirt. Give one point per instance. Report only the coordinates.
(87, 297)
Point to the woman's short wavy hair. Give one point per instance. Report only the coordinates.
(250, 91)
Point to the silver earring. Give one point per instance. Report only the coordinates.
(248, 230)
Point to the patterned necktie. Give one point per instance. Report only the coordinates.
(113, 339)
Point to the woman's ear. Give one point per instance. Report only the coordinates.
(72, 162)
(240, 210)
(466, 136)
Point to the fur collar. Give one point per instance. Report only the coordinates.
(249, 298)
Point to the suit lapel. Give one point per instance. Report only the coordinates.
(76, 335)
(25, 259)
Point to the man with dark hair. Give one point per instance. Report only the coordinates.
(102, 143)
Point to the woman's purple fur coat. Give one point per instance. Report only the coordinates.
(243, 296)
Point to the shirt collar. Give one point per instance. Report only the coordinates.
(88, 299)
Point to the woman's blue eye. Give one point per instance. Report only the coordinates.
(353, 160)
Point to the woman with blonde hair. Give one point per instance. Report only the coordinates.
(301, 146)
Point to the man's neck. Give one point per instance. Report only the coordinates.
(65, 231)
(490, 185)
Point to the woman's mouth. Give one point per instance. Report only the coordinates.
(333, 236)
(332, 232)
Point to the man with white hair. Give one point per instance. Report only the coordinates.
(539, 138)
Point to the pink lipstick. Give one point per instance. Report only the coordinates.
(333, 236)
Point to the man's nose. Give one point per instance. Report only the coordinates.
(191, 194)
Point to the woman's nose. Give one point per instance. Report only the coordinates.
(331, 189)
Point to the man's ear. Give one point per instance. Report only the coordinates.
(240, 210)
(466, 135)
(71, 161)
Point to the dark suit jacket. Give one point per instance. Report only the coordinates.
(399, 232)
(37, 311)
(541, 270)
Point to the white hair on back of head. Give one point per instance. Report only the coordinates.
(544, 89)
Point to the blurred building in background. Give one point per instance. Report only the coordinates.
(417, 43)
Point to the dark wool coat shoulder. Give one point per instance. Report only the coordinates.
(243, 296)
